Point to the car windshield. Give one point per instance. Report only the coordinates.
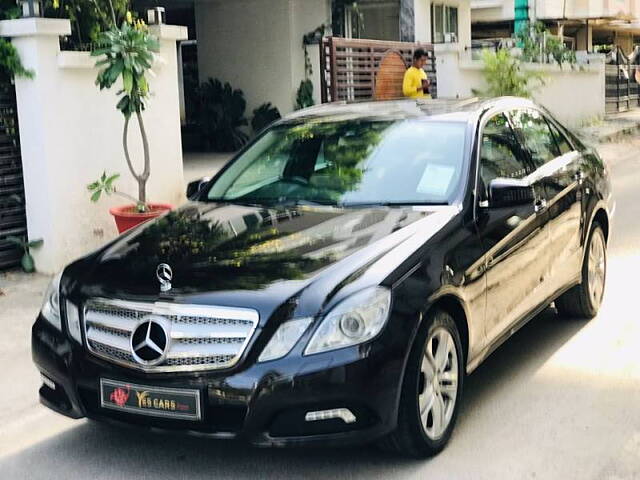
(348, 163)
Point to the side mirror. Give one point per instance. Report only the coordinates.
(509, 192)
(195, 186)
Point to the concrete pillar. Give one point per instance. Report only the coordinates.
(422, 20)
(70, 133)
(584, 38)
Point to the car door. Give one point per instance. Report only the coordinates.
(515, 236)
(557, 166)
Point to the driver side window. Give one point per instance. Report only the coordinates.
(501, 155)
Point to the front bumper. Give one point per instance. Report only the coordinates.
(263, 404)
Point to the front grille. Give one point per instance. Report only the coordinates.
(201, 337)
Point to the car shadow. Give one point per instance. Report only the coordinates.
(92, 450)
(519, 357)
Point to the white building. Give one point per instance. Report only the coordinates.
(583, 23)
(256, 45)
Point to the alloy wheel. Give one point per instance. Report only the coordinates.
(438, 389)
(597, 268)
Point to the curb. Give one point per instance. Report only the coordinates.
(613, 135)
(619, 134)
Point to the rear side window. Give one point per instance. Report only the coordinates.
(536, 136)
(563, 143)
(500, 153)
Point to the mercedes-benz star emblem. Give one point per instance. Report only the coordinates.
(165, 275)
(150, 341)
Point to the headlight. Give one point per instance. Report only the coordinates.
(355, 320)
(284, 339)
(51, 305)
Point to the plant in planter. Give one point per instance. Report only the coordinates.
(27, 262)
(128, 52)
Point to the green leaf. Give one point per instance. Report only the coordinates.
(28, 264)
(35, 243)
(96, 196)
(16, 241)
(127, 80)
(112, 178)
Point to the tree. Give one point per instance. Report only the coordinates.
(128, 53)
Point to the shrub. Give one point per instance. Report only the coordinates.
(10, 64)
(304, 96)
(221, 116)
(538, 45)
(263, 116)
(504, 76)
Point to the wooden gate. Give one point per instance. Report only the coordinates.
(349, 67)
(13, 220)
(622, 83)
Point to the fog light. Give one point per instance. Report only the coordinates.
(343, 414)
(48, 382)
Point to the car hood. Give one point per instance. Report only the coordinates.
(248, 256)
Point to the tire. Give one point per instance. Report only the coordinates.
(443, 393)
(584, 300)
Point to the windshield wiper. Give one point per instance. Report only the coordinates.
(390, 204)
(273, 202)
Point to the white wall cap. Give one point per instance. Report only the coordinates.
(69, 59)
(35, 27)
(170, 32)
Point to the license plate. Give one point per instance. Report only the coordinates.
(183, 404)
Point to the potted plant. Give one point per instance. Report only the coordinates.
(127, 55)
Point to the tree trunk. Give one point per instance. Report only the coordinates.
(142, 181)
(144, 176)
(142, 192)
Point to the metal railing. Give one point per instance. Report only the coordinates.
(622, 83)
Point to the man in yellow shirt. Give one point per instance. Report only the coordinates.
(416, 82)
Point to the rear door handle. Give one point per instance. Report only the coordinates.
(539, 205)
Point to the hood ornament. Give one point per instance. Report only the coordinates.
(165, 275)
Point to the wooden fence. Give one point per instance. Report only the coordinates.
(12, 205)
(349, 67)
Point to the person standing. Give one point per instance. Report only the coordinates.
(416, 82)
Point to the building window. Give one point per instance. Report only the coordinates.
(373, 19)
(444, 24)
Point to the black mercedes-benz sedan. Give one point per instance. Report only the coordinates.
(337, 280)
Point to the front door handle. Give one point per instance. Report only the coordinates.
(539, 205)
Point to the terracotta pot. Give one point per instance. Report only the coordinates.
(126, 216)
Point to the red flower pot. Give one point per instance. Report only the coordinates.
(126, 216)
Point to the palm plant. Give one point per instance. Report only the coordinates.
(221, 116)
(263, 116)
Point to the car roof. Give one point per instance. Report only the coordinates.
(461, 110)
